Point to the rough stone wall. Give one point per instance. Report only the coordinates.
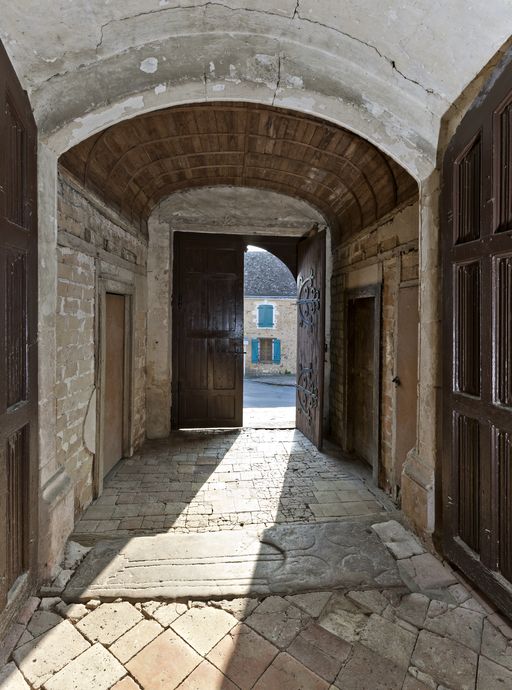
(386, 254)
(285, 328)
(92, 243)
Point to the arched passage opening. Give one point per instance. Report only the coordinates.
(269, 176)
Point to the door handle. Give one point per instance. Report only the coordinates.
(396, 380)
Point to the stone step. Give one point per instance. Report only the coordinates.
(282, 559)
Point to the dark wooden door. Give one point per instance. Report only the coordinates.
(477, 274)
(114, 393)
(362, 379)
(208, 325)
(18, 331)
(311, 337)
(406, 377)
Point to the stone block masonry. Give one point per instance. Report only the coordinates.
(385, 254)
(93, 243)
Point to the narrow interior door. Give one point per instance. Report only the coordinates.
(208, 315)
(114, 381)
(311, 337)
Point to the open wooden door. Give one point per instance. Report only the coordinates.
(18, 335)
(311, 337)
(477, 274)
(209, 331)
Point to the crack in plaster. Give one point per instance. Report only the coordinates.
(295, 16)
(278, 80)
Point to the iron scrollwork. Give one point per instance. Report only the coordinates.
(307, 391)
(308, 301)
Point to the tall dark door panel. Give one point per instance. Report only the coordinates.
(477, 274)
(18, 331)
(311, 337)
(208, 322)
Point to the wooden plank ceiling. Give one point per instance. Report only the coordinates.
(136, 163)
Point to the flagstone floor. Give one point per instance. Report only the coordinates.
(429, 630)
(212, 480)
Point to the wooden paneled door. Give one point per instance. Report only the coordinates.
(362, 400)
(405, 379)
(208, 331)
(477, 274)
(18, 333)
(114, 380)
(311, 337)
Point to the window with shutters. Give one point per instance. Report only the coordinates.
(265, 316)
(265, 349)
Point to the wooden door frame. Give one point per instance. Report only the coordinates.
(374, 292)
(479, 122)
(110, 285)
(402, 284)
(177, 238)
(25, 411)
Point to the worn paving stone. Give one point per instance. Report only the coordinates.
(425, 572)
(95, 668)
(42, 621)
(496, 646)
(135, 639)
(164, 663)
(284, 559)
(371, 601)
(413, 608)
(388, 640)
(240, 607)
(312, 603)
(74, 612)
(342, 618)
(28, 610)
(411, 683)
(247, 472)
(126, 683)
(204, 627)
(321, 651)
(11, 678)
(462, 625)
(398, 540)
(286, 673)
(108, 622)
(447, 661)
(10, 641)
(367, 670)
(243, 655)
(41, 658)
(278, 621)
(491, 676)
(206, 676)
(166, 614)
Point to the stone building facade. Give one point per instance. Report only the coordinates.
(270, 316)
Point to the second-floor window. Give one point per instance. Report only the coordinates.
(265, 316)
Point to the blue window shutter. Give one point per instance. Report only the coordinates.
(255, 351)
(265, 316)
(276, 351)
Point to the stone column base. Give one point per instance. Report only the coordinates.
(56, 521)
(418, 495)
